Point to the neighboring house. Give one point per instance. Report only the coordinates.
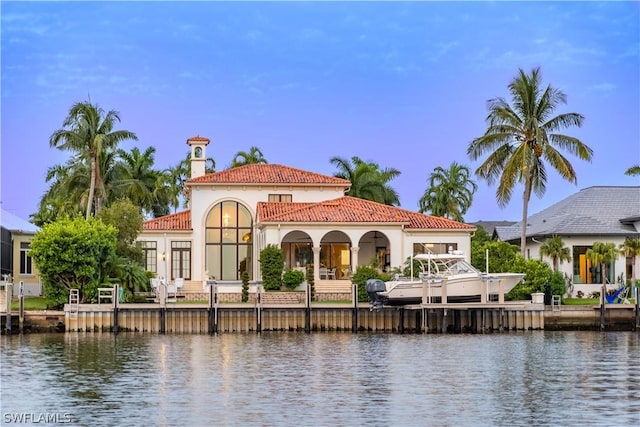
(594, 214)
(490, 226)
(16, 234)
(235, 213)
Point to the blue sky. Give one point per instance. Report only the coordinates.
(401, 84)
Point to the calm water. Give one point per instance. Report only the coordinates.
(530, 378)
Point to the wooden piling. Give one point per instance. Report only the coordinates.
(307, 309)
(602, 308)
(9, 295)
(21, 307)
(354, 311)
(259, 311)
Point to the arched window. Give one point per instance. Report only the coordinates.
(229, 242)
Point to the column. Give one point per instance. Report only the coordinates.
(316, 263)
(354, 258)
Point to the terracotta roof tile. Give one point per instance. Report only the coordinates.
(343, 209)
(176, 221)
(268, 174)
(351, 209)
(198, 139)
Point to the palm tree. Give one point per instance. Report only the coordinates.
(140, 183)
(521, 137)
(450, 192)
(368, 181)
(633, 171)
(555, 249)
(631, 248)
(601, 253)
(254, 156)
(88, 130)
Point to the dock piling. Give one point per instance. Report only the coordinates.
(115, 298)
(9, 295)
(21, 307)
(354, 315)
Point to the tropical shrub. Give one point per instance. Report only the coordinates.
(538, 278)
(127, 219)
(130, 275)
(292, 278)
(502, 256)
(73, 254)
(360, 277)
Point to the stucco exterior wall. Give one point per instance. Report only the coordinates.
(31, 282)
(571, 241)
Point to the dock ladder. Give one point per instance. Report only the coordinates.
(74, 301)
(555, 302)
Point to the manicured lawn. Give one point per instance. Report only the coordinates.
(31, 303)
(580, 301)
(344, 301)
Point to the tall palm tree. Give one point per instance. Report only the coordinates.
(633, 171)
(87, 129)
(631, 248)
(522, 136)
(254, 156)
(602, 253)
(368, 181)
(554, 248)
(450, 192)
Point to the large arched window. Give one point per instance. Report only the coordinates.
(229, 241)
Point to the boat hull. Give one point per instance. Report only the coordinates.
(462, 288)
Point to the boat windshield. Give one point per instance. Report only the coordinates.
(449, 267)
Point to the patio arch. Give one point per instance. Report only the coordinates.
(297, 247)
(375, 248)
(335, 254)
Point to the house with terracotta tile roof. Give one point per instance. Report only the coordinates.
(235, 213)
(607, 214)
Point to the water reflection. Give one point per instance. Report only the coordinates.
(530, 378)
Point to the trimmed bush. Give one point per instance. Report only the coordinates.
(271, 267)
(292, 278)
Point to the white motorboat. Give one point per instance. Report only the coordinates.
(461, 281)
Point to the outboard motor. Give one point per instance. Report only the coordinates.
(373, 286)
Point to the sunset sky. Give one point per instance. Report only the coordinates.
(401, 84)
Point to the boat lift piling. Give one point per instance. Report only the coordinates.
(213, 308)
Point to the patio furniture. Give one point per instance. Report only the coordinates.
(327, 273)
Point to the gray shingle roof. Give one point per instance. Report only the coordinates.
(16, 224)
(591, 211)
(490, 226)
